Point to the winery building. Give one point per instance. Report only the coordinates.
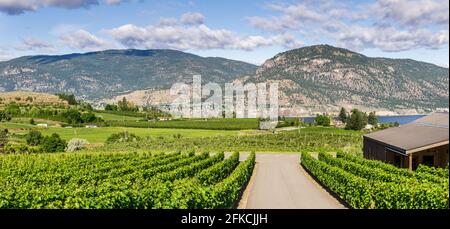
(424, 141)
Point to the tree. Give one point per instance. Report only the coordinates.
(34, 111)
(34, 138)
(125, 105)
(32, 121)
(343, 115)
(357, 120)
(372, 118)
(323, 120)
(3, 138)
(86, 106)
(13, 108)
(88, 117)
(70, 98)
(111, 107)
(73, 116)
(53, 143)
(5, 116)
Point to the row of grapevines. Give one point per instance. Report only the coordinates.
(190, 169)
(440, 172)
(224, 194)
(218, 171)
(17, 193)
(391, 168)
(353, 189)
(363, 171)
(360, 192)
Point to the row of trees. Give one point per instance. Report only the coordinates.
(70, 98)
(357, 119)
(125, 107)
(50, 144)
(122, 105)
(71, 115)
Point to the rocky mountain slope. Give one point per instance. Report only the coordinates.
(324, 78)
(312, 79)
(105, 74)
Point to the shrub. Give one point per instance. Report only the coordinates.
(122, 137)
(21, 148)
(13, 108)
(53, 143)
(34, 138)
(323, 120)
(111, 107)
(76, 144)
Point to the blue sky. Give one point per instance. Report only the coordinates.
(250, 30)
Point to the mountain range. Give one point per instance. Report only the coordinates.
(312, 79)
(104, 74)
(323, 78)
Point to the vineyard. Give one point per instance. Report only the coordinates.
(363, 183)
(208, 124)
(289, 141)
(123, 180)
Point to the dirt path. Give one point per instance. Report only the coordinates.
(279, 182)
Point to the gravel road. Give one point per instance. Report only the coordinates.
(279, 182)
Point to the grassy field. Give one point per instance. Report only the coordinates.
(209, 124)
(114, 117)
(99, 135)
(311, 138)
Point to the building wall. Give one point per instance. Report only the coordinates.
(440, 155)
(374, 150)
(378, 151)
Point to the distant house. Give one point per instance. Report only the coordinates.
(91, 126)
(164, 118)
(42, 125)
(424, 141)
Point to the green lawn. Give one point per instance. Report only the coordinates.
(99, 135)
(114, 117)
(207, 124)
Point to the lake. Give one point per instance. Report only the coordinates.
(401, 119)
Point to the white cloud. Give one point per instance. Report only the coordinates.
(69, 4)
(198, 37)
(192, 18)
(390, 39)
(14, 7)
(35, 44)
(118, 2)
(83, 40)
(167, 21)
(412, 12)
(390, 25)
(113, 2)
